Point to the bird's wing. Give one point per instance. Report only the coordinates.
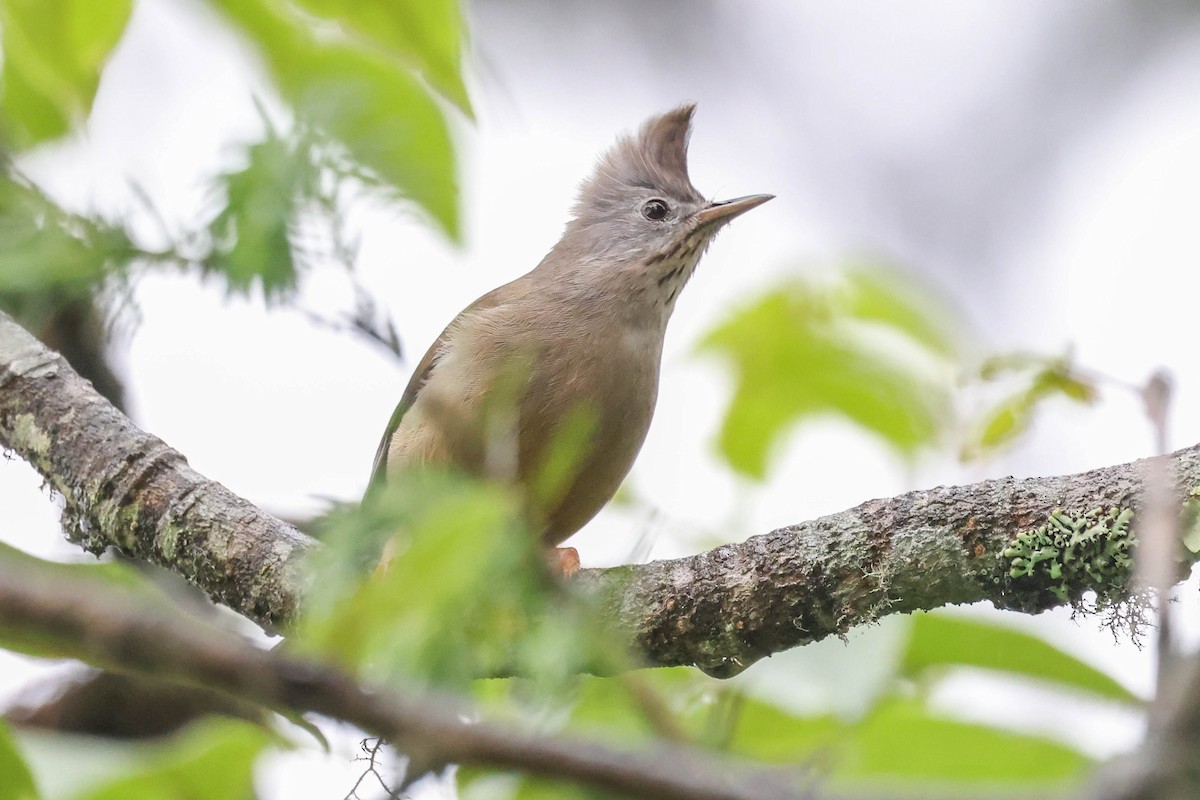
(419, 378)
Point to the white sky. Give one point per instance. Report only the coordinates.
(895, 128)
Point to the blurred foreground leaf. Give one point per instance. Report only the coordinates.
(46, 248)
(53, 54)
(938, 641)
(212, 760)
(868, 346)
(426, 34)
(902, 739)
(16, 781)
(464, 592)
(367, 100)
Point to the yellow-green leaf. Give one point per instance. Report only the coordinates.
(902, 740)
(853, 348)
(54, 51)
(16, 781)
(212, 760)
(251, 234)
(1038, 378)
(426, 34)
(371, 102)
(938, 641)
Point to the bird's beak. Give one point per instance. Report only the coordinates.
(725, 210)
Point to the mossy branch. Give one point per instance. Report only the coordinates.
(720, 610)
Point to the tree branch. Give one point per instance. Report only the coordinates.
(124, 488)
(721, 610)
(115, 630)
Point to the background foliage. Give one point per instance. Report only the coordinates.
(366, 94)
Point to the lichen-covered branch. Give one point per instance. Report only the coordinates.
(1022, 544)
(125, 488)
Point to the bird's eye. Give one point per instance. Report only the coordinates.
(655, 210)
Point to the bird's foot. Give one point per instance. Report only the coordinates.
(563, 561)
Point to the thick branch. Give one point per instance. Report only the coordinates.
(721, 610)
(125, 488)
(727, 608)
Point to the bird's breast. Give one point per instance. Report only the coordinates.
(586, 414)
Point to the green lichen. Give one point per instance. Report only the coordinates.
(30, 438)
(1075, 552)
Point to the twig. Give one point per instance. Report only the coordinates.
(1156, 558)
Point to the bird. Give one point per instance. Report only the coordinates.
(549, 382)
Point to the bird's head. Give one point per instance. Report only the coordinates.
(640, 215)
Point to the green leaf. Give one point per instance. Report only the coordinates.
(463, 592)
(1004, 423)
(417, 614)
(46, 248)
(16, 781)
(897, 302)
(478, 784)
(251, 234)
(426, 34)
(386, 120)
(54, 51)
(938, 641)
(855, 348)
(370, 102)
(1040, 378)
(767, 733)
(212, 760)
(902, 740)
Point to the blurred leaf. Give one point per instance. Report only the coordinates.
(898, 302)
(901, 739)
(251, 234)
(386, 120)
(860, 348)
(668, 703)
(1006, 421)
(370, 102)
(16, 782)
(53, 53)
(212, 760)
(766, 732)
(946, 640)
(478, 784)
(417, 614)
(1039, 378)
(45, 247)
(427, 34)
(464, 592)
(65, 765)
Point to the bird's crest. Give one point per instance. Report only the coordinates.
(655, 159)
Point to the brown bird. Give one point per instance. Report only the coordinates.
(550, 380)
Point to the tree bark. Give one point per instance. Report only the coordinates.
(126, 489)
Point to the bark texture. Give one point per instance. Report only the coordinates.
(725, 609)
(124, 488)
